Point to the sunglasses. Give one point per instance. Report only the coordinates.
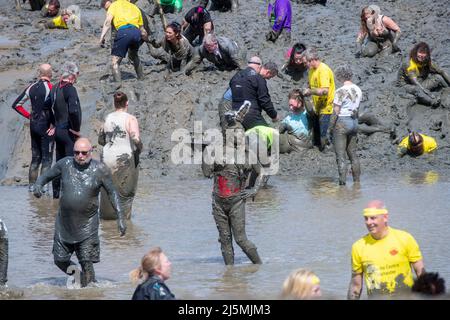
(84, 153)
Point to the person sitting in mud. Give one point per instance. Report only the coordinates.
(77, 222)
(177, 49)
(429, 283)
(416, 144)
(297, 125)
(280, 15)
(68, 19)
(41, 118)
(378, 29)
(3, 254)
(224, 53)
(420, 76)
(151, 275)
(197, 23)
(127, 20)
(295, 65)
(224, 5)
(229, 193)
(51, 9)
(122, 146)
(301, 284)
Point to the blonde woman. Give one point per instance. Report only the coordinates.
(301, 284)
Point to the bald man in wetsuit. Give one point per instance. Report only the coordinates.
(77, 222)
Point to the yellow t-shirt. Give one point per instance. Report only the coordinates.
(58, 22)
(124, 13)
(386, 262)
(429, 143)
(322, 77)
(414, 68)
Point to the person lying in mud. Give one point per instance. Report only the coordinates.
(224, 53)
(280, 15)
(297, 125)
(51, 9)
(197, 23)
(295, 66)
(416, 144)
(77, 221)
(422, 77)
(3, 254)
(176, 49)
(229, 194)
(368, 123)
(127, 20)
(382, 33)
(224, 5)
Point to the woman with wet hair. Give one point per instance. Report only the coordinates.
(301, 284)
(122, 145)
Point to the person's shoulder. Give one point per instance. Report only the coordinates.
(361, 241)
(402, 234)
(65, 161)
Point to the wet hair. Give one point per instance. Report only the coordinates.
(422, 47)
(343, 73)
(54, 3)
(149, 263)
(272, 67)
(298, 284)
(120, 100)
(415, 143)
(429, 283)
(311, 54)
(297, 48)
(210, 39)
(103, 3)
(69, 68)
(297, 94)
(176, 27)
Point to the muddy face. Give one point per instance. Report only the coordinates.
(82, 155)
(170, 34)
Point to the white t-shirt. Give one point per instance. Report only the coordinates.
(348, 98)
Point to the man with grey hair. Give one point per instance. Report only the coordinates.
(250, 84)
(67, 111)
(344, 123)
(321, 87)
(224, 53)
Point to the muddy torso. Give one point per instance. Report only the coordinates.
(229, 180)
(377, 30)
(180, 50)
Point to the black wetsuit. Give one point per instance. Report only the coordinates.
(195, 28)
(67, 111)
(77, 221)
(41, 117)
(3, 254)
(248, 85)
(153, 288)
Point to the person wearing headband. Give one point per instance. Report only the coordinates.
(383, 257)
(301, 284)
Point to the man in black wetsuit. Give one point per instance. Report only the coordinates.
(76, 227)
(3, 254)
(197, 23)
(41, 118)
(67, 111)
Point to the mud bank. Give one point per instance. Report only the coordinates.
(162, 106)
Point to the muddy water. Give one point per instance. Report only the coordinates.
(294, 223)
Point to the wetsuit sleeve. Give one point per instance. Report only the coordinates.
(74, 109)
(49, 175)
(195, 61)
(113, 195)
(20, 101)
(235, 56)
(264, 98)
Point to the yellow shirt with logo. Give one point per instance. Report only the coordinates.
(386, 262)
(429, 143)
(322, 77)
(124, 13)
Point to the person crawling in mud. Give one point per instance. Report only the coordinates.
(197, 23)
(280, 15)
(382, 33)
(68, 19)
(3, 254)
(416, 144)
(51, 9)
(295, 66)
(229, 193)
(422, 77)
(224, 5)
(224, 53)
(77, 221)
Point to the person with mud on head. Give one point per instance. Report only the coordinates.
(51, 9)
(416, 144)
(69, 18)
(128, 21)
(224, 53)
(224, 5)
(295, 66)
(280, 15)
(422, 77)
(197, 22)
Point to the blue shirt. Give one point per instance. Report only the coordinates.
(298, 122)
(228, 95)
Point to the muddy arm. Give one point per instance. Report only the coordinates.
(207, 163)
(113, 195)
(418, 267)
(355, 287)
(197, 58)
(46, 177)
(106, 27)
(442, 73)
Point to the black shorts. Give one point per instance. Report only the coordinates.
(128, 38)
(86, 250)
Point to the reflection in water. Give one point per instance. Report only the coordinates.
(327, 187)
(417, 177)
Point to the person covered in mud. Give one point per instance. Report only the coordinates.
(41, 118)
(224, 5)
(224, 53)
(297, 125)
(77, 222)
(295, 66)
(67, 115)
(421, 77)
(368, 123)
(321, 88)
(384, 257)
(280, 15)
(151, 275)
(50, 9)
(382, 33)
(250, 84)
(122, 146)
(177, 51)
(344, 124)
(229, 194)
(197, 23)
(416, 144)
(3, 254)
(127, 20)
(69, 18)
(301, 284)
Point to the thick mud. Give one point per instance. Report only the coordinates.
(162, 106)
